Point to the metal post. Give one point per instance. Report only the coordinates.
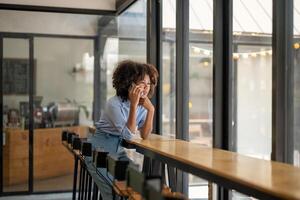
(282, 81)
(222, 83)
(182, 83)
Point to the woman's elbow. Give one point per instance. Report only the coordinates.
(144, 136)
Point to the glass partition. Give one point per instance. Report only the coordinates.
(63, 100)
(63, 93)
(15, 88)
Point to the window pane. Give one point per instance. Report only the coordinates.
(252, 61)
(128, 43)
(252, 79)
(15, 86)
(168, 69)
(66, 103)
(201, 84)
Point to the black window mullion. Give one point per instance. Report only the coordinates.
(222, 74)
(222, 80)
(182, 82)
(154, 54)
(97, 83)
(1, 116)
(31, 120)
(282, 82)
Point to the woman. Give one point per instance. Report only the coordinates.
(128, 113)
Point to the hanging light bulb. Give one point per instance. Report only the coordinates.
(270, 52)
(206, 52)
(245, 55)
(263, 53)
(236, 56)
(237, 33)
(296, 45)
(196, 50)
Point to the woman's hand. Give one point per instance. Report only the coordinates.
(146, 103)
(134, 94)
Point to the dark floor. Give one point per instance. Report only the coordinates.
(53, 184)
(57, 196)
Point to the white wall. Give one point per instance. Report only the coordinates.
(86, 4)
(48, 23)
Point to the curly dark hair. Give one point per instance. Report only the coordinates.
(128, 72)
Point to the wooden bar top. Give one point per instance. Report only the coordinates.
(268, 178)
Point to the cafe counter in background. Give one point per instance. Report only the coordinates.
(51, 159)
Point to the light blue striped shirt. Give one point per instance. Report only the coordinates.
(114, 118)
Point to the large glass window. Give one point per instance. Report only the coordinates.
(168, 69)
(252, 72)
(129, 42)
(201, 84)
(252, 63)
(296, 52)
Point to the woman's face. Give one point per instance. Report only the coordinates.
(145, 84)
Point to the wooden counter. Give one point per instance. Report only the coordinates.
(256, 177)
(50, 158)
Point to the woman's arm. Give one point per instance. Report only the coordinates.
(148, 124)
(131, 122)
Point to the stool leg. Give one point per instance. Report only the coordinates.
(83, 183)
(75, 177)
(90, 188)
(113, 194)
(95, 192)
(86, 184)
(80, 181)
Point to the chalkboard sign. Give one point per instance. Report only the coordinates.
(15, 76)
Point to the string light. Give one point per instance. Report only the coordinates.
(196, 50)
(269, 52)
(206, 52)
(237, 56)
(245, 55)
